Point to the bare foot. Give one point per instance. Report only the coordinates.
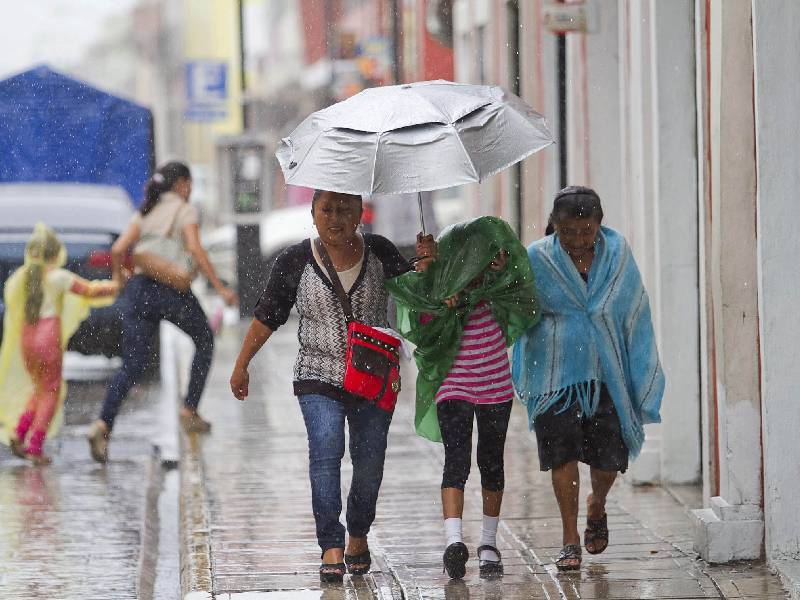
(596, 534)
(333, 556)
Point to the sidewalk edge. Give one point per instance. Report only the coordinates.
(194, 539)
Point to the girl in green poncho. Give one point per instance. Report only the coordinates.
(463, 310)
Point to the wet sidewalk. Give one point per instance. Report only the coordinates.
(248, 532)
(78, 530)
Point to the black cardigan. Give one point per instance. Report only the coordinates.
(297, 280)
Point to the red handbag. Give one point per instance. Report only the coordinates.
(372, 360)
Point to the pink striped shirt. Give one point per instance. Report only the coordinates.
(480, 373)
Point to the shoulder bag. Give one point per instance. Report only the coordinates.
(164, 259)
(372, 360)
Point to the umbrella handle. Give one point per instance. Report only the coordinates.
(421, 215)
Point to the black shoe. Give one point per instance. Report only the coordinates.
(332, 572)
(363, 560)
(490, 568)
(455, 560)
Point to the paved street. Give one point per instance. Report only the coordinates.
(80, 530)
(247, 525)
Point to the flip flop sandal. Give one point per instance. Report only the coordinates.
(455, 560)
(358, 564)
(569, 552)
(332, 572)
(596, 531)
(490, 568)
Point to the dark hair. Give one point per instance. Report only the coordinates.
(162, 180)
(574, 202)
(318, 194)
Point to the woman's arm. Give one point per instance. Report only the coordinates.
(256, 337)
(119, 251)
(93, 289)
(191, 237)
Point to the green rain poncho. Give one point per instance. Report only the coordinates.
(464, 253)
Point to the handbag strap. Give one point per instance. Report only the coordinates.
(174, 220)
(335, 281)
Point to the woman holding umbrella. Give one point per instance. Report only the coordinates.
(589, 372)
(363, 263)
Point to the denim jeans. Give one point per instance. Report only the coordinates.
(368, 427)
(145, 304)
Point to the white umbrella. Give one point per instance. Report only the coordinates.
(410, 138)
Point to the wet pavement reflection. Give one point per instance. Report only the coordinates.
(74, 529)
(261, 540)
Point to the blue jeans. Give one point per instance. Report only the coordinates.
(145, 304)
(368, 427)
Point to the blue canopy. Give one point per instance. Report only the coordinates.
(54, 128)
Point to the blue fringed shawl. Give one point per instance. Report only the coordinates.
(591, 333)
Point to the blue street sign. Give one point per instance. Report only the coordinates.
(206, 90)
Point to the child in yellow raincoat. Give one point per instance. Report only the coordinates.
(45, 303)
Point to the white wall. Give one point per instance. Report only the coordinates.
(675, 296)
(538, 86)
(777, 90)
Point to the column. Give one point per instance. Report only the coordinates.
(732, 527)
(777, 88)
(675, 295)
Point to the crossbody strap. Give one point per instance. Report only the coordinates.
(335, 281)
(172, 222)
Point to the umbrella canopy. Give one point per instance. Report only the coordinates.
(410, 138)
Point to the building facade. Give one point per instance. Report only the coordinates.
(681, 115)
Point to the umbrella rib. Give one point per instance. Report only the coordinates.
(374, 162)
(300, 162)
(469, 158)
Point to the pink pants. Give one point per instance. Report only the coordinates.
(41, 351)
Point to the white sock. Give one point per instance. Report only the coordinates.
(452, 529)
(489, 537)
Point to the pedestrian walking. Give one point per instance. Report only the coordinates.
(165, 239)
(44, 304)
(589, 372)
(307, 276)
(462, 311)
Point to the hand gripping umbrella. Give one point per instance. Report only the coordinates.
(415, 137)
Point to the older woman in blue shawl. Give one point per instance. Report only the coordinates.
(589, 372)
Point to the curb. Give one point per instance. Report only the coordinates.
(195, 549)
(193, 530)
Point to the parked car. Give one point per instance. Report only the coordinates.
(88, 219)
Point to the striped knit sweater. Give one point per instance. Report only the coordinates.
(297, 280)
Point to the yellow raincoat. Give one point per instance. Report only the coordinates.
(16, 386)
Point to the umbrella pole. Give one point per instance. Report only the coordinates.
(421, 215)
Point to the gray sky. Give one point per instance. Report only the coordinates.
(56, 32)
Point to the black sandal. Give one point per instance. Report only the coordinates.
(332, 572)
(490, 568)
(358, 564)
(455, 560)
(569, 552)
(596, 530)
